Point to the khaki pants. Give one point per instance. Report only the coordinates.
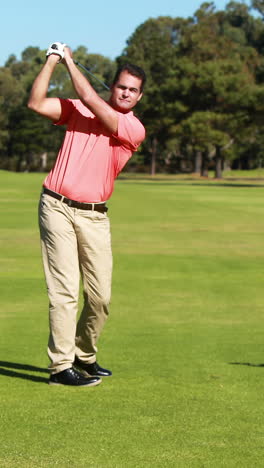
(75, 242)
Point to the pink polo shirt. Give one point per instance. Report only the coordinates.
(90, 158)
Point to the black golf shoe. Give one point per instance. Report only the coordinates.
(73, 377)
(92, 370)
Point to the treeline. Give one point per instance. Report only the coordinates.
(204, 100)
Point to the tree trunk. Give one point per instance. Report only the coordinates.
(204, 166)
(218, 163)
(197, 162)
(153, 156)
(43, 161)
(227, 165)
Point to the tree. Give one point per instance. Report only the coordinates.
(11, 96)
(203, 101)
(258, 5)
(205, 64)
(24, 136)
(153, 46)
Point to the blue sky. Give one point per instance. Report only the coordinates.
(103, 26)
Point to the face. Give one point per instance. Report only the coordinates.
(125, 93)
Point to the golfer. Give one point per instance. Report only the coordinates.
(100, 138)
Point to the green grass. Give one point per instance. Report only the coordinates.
(184, 340)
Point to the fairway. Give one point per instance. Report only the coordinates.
(184, 339)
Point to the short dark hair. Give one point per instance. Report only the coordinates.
(133, 70)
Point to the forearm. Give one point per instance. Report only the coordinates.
(83, 88)
(89, 97)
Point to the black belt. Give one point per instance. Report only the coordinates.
(75, 204)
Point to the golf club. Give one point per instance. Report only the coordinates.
(90, 73)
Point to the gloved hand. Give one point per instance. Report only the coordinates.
(56, 48)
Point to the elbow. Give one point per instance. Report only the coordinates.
(34, 104)
(31, 105)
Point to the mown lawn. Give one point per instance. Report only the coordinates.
(184, 340)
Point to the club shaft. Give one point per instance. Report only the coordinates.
(90, 73)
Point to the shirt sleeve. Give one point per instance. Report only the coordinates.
(67, 107)
(130, 132)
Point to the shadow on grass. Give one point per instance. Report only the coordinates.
(250, 364)
(5, 369)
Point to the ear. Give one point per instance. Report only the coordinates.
(139, 97)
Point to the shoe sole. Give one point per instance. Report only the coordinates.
(93, 384)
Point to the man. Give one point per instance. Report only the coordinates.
(75, 232)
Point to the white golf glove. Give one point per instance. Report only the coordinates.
(56, 48)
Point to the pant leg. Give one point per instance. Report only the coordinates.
(61, 267)
(95, 254)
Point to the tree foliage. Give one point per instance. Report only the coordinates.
(206, 79)
(25, 136)
(203, 102)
